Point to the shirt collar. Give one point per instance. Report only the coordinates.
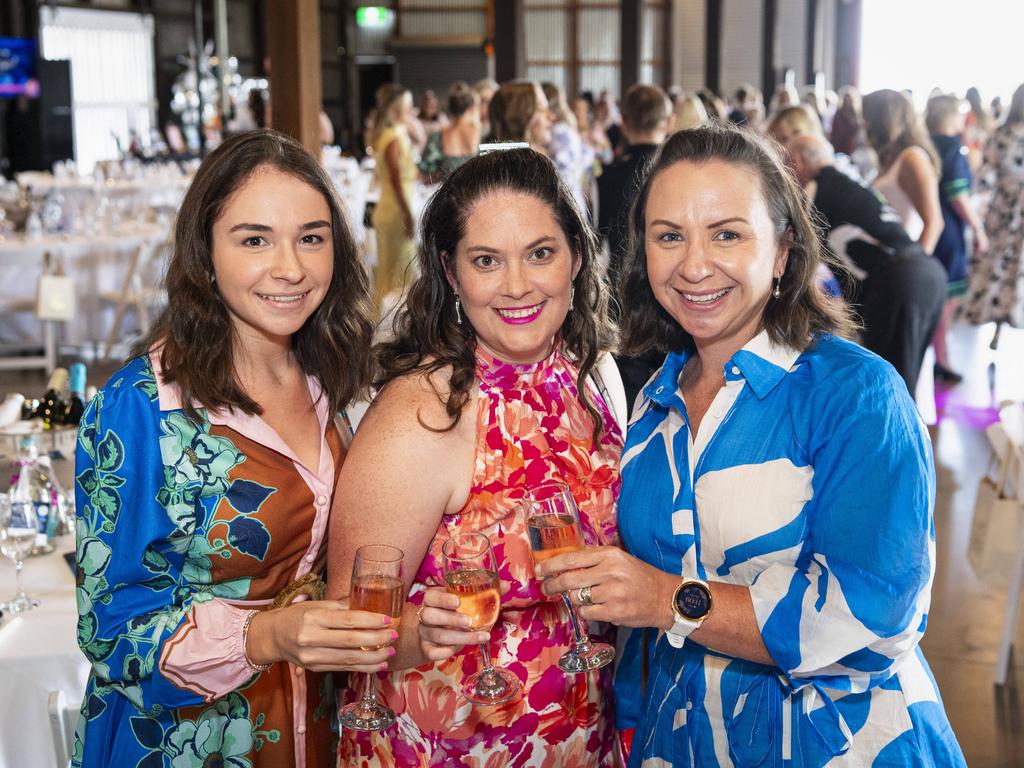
(250, 425)
(760, 362)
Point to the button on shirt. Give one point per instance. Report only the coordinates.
(811, 482)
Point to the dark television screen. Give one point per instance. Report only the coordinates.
(18, 67)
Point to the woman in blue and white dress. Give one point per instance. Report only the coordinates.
(777, 494)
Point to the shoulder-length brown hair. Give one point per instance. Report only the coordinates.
(800, 313)
(194, 334)
(511, 110)
(892, 125)
(428, 338)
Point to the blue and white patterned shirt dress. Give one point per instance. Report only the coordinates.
(810, 481)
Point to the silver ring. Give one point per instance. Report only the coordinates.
(584, 596)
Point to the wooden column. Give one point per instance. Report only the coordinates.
(293, 45)
(509, 41)
(631, 43)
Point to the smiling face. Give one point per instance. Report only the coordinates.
(273, 256)
(513, 272)
(712, 252)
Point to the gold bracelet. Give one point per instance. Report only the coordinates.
(245, 649)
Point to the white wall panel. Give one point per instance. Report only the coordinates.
(688, 43)
(791, 51)
(598, 35)
(741, 44)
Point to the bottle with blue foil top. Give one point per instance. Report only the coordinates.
(34, 483)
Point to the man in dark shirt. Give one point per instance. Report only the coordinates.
(646, 113)
(897, 289)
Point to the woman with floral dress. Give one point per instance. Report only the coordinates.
(486, 390)
(206, 468)
(996, 288)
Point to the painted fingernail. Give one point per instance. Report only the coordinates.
(387, 620)
(393, 636)
(383, 667)
(392, 651)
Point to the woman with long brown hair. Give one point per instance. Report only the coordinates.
(206, 469)
(486, 390)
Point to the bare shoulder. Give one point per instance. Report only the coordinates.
(916, 162)
(416, 400)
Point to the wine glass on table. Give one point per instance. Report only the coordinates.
(18, 528)
(554, 525)
(376, 587)
(471, 574)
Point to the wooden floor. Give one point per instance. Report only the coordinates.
(966, 615)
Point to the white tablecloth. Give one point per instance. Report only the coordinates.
(96, 264)
(38, 654)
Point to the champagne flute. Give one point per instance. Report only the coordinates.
(471, 574)
(18, 528)
(554, 526)
(376, 587)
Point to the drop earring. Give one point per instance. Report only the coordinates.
(572, 297)
(458, 310)
(778, 290)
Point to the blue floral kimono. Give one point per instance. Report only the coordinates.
(184, 527)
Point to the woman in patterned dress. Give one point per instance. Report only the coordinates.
(777, 491)
(996, 288)
(486, 390)
(206, 468)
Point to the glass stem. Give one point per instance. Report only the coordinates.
(582, 641)
(369, 698)
(18, 565)
(485, 655)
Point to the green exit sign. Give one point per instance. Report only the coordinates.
(374, 16)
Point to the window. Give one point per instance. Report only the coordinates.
(112, 77)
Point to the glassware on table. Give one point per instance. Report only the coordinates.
(376, 587)
(471, 574)
(554, 525)
(18, 530)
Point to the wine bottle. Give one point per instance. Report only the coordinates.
(54, 403)
(76, 406)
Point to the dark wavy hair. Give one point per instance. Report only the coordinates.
(428, 338)
(801, 312)
(194, 334)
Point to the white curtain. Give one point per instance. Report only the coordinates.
(112, 76)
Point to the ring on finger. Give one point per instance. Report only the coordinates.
(419, 614)
(583, 595)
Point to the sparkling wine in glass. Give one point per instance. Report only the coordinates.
(471, 574)
(553, 523)
(376, 587)
(18, 528)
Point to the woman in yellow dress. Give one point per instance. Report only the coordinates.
(393, 220)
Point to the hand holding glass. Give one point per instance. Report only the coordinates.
(471, 574)
(554, 525)
(376, 587)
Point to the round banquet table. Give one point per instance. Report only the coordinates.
(38, 654)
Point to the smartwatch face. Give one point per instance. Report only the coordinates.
(693, 601)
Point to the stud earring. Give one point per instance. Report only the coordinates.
(458, 310)
(778, 291)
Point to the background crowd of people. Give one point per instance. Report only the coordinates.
(760, 535)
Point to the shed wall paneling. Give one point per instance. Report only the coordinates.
(599, 37)
(688, 24)
(547, 34)
(597, 79)
(741, 43)
(419, 68)
(443, 24)
(791, 51)
(548, 74)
